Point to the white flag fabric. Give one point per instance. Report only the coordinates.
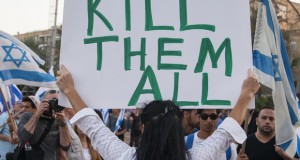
(20, 65)
(272, 65)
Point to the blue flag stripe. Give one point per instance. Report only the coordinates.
(272, 63)
(287, 67)
(293, 115)
(16, 92)
(286, 144)
(263, 62)
(26, 75)
(269, 16)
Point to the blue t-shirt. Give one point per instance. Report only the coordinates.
(5, 146)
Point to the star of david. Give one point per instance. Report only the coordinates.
(277, 75)
(13, 52)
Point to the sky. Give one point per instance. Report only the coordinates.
(27, 15)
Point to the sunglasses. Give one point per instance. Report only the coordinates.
(205, 116)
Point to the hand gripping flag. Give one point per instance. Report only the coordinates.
(20, 65)
(272, 65)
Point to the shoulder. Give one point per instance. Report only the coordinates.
(26, 116)
(251, 137)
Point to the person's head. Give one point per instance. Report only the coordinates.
(163, 136)
(189, 120)
(116, 111)
(99, 114)
(30, 103)
(81, 135)
(50, 94)
(266, 121)
(18, 106)
(137, 111)
(208, 120)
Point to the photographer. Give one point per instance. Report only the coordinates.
(44, 132)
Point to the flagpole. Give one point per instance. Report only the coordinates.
(19, 112)
(8, 111)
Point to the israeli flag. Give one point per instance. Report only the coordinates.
(39, 94)
(2, 107)
(119, 120)
(15, 93)
(105, 114)
(20, 65)
(12, 94)
(273, 69)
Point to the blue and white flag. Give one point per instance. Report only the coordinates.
(119, 120)
(274, 71)
(20, 65)
(41, 91)
(105, 114)
(2, 107)
(12, 94)
(4, 90)
(15, 94)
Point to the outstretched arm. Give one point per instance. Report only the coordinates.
(103, 140)
(249, 88)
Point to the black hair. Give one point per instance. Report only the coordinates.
(28, 99)
(199, 111)
(266, 107)
(99, 114)
(163, 137)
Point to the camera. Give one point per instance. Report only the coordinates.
(53, 106)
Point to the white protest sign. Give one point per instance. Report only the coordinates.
(124, 53)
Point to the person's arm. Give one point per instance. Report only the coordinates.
(66, 85)
(31, 124)
(229, 131)
(64, 134)
(106, 143)
(282, 153)
(5, 138)
(249, 88)
(13, 133)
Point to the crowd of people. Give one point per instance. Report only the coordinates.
(159, 131)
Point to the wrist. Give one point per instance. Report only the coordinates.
(69, 91)
(61, 124)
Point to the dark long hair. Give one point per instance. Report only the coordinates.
(163, 137)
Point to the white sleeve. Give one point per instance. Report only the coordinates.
(106, 143)
(229, 131)
(233, 151)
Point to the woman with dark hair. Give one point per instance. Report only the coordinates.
(162, 138)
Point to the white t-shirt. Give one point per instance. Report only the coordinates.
(197, 141)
